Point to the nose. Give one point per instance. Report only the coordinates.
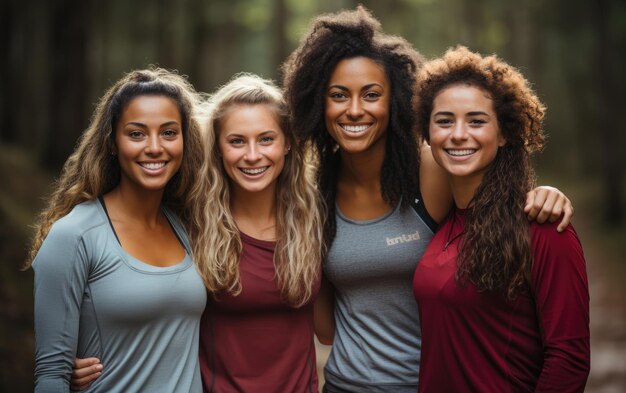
(154, 145)
(252, 153)
(355, 110)
(459, 133)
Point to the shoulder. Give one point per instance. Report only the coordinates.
(71, 237)
(81, 219)
(546, 235)
(556, 254)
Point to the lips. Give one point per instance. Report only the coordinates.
(254, 171)
(355, 128)
(153, 166)
(461, 152)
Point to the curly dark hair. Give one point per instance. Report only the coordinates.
(306, 73)
(496, 251)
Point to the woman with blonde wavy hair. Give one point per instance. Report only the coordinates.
(260, 251)
(114, 278)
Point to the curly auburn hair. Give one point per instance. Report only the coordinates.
(92, 169)
(306, 73)
(298, 252)
(495, 253)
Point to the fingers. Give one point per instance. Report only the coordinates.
(551, 209)
(530, 197)
(537, 203)
(568, 212)
(548, 204)
(85, 372)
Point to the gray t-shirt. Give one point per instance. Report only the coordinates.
(94, 299)
(377, 338)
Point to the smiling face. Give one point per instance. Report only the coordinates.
(464, 133)
(149, 142)
(253, 147)
(357, 105)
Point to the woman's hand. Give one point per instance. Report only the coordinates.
(548, 203)
(85, 371)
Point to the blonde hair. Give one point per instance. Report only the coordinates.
(298, 251)
(92, 170)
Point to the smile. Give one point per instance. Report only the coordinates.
(355, 128)
(460, 152)
(153, 165)
(254, 171)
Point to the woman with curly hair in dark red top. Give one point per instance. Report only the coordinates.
(504, 304)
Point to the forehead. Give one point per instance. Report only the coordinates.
(251, 118)
(151, 106)
(358, 69)
(463, 96)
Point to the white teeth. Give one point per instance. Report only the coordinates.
(464, 152)
(355, 128)
(254, 171)
(153, 165)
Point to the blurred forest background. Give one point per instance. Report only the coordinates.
(60, 56)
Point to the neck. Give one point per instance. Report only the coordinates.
(362, 169)
(254, 212)
(463, 189)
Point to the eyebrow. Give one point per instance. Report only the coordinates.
(478, 113)
(138, 124)
(235, 134)
(368, 86)
(475, 113)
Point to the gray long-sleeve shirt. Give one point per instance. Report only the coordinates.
(94, 299)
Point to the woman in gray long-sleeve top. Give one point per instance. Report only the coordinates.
(114, 277)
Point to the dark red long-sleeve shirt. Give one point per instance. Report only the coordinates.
(480, 342)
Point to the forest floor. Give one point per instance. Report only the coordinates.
(22, 186)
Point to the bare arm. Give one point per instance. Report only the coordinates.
(543, 204)
(324, 313)
(434, 186)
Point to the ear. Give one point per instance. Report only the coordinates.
(287, 148)
(501, 140)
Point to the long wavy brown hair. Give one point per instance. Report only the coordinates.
(495, 252)
(92, 170)
(346, 35)
(298, 252)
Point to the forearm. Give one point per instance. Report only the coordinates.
(324, 318)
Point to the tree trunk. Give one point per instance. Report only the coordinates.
(607, 109)
(280, 42)
(67, 100)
